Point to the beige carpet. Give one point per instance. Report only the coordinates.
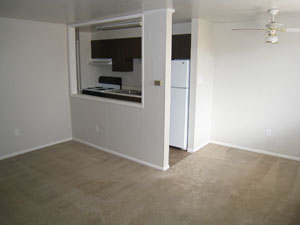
(176, 155)
(74, 184)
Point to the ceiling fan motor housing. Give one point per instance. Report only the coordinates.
(273, 12)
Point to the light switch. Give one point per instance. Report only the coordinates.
(158, 83)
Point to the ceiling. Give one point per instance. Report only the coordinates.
(71, 11)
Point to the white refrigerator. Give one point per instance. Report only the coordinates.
(180, 75)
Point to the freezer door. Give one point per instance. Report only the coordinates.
(180, 73)
(179, 118)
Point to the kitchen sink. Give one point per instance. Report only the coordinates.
(126, 92)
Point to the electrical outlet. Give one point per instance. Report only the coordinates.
(97, 128)
(17, 132)
(268, 132)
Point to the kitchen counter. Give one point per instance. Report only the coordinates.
(123, 94)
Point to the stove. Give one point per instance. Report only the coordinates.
(105, 84)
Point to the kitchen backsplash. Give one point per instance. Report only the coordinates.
(129, 79)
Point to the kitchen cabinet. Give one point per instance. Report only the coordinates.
(181, 46)
(123, 51)
(133, 47)
(121, 60)
(121, 64)
(102, 49)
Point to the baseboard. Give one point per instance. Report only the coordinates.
(122, 155)
(192, 150)
(34, 148)
(257, 150)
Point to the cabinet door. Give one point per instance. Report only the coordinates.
(181, 46)
(133, 47)
(122, 51)
(102, 48)
(121, 61)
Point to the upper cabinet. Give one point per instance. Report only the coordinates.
(102, 49)
(123, 51)
(133, 47)
(181, 46)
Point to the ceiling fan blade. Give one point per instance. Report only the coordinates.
(249, 29)
(292, 30)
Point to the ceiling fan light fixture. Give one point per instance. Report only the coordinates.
(272, 39)
(272, 28)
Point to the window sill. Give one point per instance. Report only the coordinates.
(109, 100)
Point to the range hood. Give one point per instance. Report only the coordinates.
(101, 61)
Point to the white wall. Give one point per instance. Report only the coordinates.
(34, 94)
(139, 133)
(257, 86)
(201, 84)
(182, 28)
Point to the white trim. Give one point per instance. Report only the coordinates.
(143, 61)
(165, 168)
(159, 10)
(72, 65)
(192, 150)
(257, 150)
(108, 20)
(34, 148)
(167, 83)
(122, 155)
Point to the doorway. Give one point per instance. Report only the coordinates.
(179, 110)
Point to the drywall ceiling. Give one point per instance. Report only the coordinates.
(71, 11)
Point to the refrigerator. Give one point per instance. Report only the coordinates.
(180, 74)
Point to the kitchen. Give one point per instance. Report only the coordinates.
(111, 61)
(111, 68)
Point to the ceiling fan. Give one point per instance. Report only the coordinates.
(272, 28)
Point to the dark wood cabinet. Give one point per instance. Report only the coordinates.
(134, 47)
(102, 48)
(123, 51)
(121, 59)
(181, 46)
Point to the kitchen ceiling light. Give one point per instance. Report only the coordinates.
(119, 26)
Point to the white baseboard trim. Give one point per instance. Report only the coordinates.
(257, 150)
(122, 155)
(34, 148)
(192, 150)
